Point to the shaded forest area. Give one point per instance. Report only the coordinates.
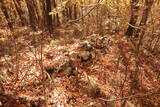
(79, 53)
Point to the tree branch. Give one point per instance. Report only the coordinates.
(132, 96)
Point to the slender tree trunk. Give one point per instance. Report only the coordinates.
(70, 12)
(67, 14)
(148, 4)
(48, 17)
(43, 10)
(140, 32)
(20, 12)
(75, 12)
(32, 14)
(6, 14)
(133, 19)
(56, 21)
(36, 11)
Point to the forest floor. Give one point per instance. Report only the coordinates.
(38, 69)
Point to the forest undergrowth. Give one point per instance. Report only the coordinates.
(101, 72)
(79, 53)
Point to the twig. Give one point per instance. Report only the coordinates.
(134, 26)
(132, 96)
(89, 103)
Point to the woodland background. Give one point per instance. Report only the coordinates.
(80, 53)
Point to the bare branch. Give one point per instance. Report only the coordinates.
(132, 96)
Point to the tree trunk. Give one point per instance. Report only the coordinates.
(20, 12)
(43, 18)
(133, 19)
(36, 11)
(32, 14)
(75, 12)
(148, 4)
(140, 32)
(48, 17)
(6, 14)
(56, 21)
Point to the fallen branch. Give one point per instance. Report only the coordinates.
(132, 96)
